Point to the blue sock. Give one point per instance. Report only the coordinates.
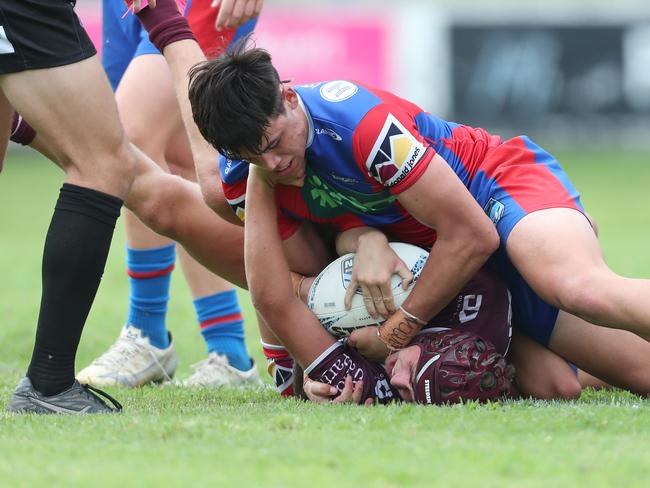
(222, 327)
(149, 277)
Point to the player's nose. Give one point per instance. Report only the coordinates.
(271, 160)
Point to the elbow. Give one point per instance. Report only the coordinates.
(485, 242)
(267, 300)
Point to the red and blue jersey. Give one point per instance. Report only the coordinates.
(366, 146)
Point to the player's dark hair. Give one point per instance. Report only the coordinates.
(234, 98)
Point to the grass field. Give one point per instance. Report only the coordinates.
(173, 437)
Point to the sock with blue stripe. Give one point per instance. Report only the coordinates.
(222, 327)
(149, 277)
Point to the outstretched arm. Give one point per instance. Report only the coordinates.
(323, 358)
(269, 278)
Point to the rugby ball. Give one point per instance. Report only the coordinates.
(327, 293)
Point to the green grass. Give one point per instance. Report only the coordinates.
(173, 437)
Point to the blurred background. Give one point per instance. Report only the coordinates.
(567, 72)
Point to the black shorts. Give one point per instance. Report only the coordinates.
(38, 34)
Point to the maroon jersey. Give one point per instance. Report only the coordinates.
(482, 307)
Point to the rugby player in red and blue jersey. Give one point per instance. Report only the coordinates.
(266, 123)
(357, 156)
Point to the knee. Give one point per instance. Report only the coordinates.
(566, 389)
(156, 209)
(583, 295)
(214, 198)
(110, 169)
(559, 388)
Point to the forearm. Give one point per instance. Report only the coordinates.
(348, 240)
(269, 280)
(181, 56)
(450, 265)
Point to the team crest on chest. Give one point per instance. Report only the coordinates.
(394, 154)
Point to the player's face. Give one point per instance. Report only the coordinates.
(283, 150)
(401, 367)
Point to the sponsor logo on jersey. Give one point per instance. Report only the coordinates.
(328, 132)
(343, 179)
(395, 153)
(228, 166)
(494, 209)
(6, 47)
(325, 201)
(337, 91)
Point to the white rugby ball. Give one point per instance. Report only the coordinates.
(327, 293)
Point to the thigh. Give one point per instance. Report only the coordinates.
(530, 313)
(147, 104)
(552, 248)
(617, 357)
(72, 106)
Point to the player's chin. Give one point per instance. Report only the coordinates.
(293, 181)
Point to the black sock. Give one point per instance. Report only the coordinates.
(76, 248)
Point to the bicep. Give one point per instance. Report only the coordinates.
(440, 200)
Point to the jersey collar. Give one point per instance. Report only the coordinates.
(310, 122)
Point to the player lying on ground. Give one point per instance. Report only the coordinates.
(271, 263)
(458, 356)
(436, 368)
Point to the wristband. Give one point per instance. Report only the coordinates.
(399, 329)
(413, 317)
(165, 24)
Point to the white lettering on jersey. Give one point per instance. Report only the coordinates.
(395, 153)
(337, 91)
(471, 307)
(6, 47)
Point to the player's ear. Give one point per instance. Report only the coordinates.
(290, 95)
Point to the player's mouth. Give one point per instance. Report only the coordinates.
(287, 169)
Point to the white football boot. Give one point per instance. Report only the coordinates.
(132, 361)
(216, 371)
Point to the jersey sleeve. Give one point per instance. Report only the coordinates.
(388, 146)
(234, 174)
